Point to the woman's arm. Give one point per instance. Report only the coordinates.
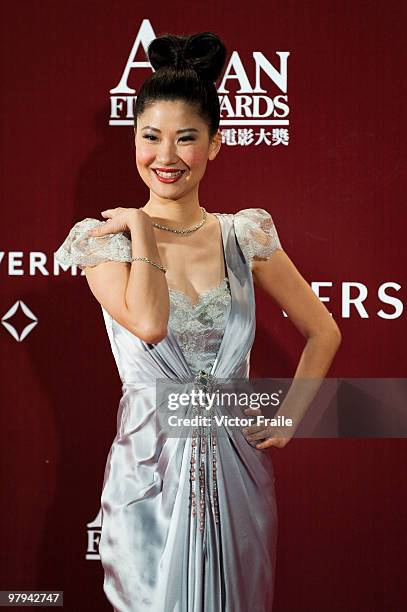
(281, 280)
(135, 295)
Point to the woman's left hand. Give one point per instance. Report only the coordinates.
(119, 220)
(270, 436)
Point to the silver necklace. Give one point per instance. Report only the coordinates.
(189, 230)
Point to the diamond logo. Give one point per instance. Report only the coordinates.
(28, 313)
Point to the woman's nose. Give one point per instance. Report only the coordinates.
(166, 153)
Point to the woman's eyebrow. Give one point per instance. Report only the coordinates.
(149, 127)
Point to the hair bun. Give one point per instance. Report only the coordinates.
(204, 52)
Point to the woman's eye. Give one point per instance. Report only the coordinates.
(152, 137)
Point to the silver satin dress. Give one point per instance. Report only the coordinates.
(177, 538)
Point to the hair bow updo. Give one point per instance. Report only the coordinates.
(203, 52)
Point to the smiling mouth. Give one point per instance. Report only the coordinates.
(168, 173)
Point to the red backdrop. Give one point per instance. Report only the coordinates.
(336, 190)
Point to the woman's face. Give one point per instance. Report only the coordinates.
(171, 136)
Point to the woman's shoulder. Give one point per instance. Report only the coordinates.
(78, 248)
(246, 214)
(256, 233)
(256, 215)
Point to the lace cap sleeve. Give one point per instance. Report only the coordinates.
(256, 233)
(82, 250)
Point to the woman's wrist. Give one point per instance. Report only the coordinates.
(141, 230)
(143, 239)
(134, 219)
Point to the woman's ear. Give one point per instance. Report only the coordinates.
(215, 145)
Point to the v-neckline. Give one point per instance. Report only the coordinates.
(201, 297)
(171, 334)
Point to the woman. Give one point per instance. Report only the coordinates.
(189, 523)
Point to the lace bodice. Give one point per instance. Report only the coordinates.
(199, 327)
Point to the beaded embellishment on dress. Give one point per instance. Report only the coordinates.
(206, 436)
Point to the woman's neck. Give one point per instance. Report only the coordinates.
(176, 212)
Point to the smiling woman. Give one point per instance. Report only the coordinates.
(188, 520)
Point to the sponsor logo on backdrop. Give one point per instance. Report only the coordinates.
(93, 537)
(252, 94)
(17, 309)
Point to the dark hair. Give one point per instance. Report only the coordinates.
(186, 68)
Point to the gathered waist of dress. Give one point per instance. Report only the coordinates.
(139, 385)
(150, 384)
(196, 377)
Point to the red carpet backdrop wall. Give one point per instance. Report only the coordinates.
(313, 122)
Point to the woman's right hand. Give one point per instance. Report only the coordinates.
(120, 220)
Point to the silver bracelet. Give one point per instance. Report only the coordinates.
(149, 261)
